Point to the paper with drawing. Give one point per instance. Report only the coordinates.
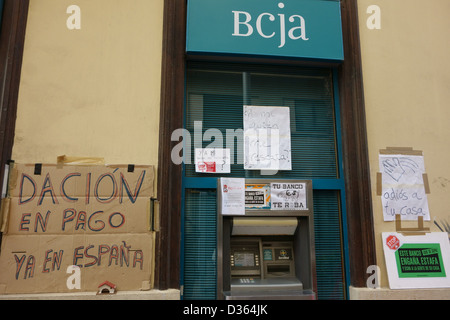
(403, 189)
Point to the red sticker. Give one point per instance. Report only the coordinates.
(210, 166)
(392, 242)
(207, 167)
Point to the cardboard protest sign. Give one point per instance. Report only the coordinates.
(38, 264)
(95, 217)
(92, 218)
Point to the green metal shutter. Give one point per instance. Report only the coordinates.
(328, 240)
(200, 245)
(216, 99)
(215, 94)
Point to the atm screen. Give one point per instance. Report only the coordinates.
(244, 259)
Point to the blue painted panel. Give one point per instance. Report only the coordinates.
(308, 29)
(1, 13)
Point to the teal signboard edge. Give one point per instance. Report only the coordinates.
(294, 29)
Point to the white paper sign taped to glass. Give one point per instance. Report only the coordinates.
(267, 138)
(403, 190)
(288, 196)
(212, 160)
(233, 196)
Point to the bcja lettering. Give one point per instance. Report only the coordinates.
(265, 16)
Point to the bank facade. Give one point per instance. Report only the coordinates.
(151, 83)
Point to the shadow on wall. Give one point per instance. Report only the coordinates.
(443, 225)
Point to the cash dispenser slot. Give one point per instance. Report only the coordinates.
(264, 226)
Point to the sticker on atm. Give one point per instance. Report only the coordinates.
(267, 255)
(257, 196)
(283, 254)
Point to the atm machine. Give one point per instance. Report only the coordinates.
(266, 253)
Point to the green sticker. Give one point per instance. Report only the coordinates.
(417, 260)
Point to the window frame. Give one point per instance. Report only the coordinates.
(356, 172)
(13, 21)
(336, 184)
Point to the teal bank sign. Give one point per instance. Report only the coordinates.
(307, 29)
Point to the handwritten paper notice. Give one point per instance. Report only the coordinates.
(403, 189)
(212, 160)
(288, 196)
(267, 138)
(233, 196)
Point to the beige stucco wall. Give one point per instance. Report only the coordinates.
(406, 73)
(92, 92)
(96, 91)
